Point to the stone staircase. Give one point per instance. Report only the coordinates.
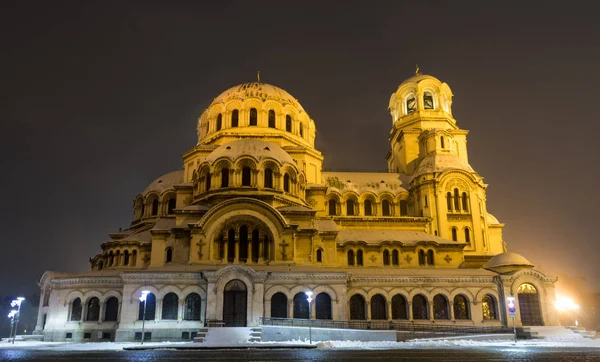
(583, 332)
(555, 333)
(229, 335)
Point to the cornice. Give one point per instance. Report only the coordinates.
(419, 280)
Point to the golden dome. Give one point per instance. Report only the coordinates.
(258, 90)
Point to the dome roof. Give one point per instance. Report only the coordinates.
(491, 219)
(441, 163)
(262, 91)
(507, 261)
(249, 147)
(165, 182)
(419, 78)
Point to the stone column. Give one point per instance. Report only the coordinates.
(158, 310)
(389, 311)
(180, 310)
(410, 311)
(291, 308)
(260, 251)
(451, 311)
(225, 259)
(236, 258)
(313, 309)
(102, 309)
(249, 253)
(430, 305)
(368, 305)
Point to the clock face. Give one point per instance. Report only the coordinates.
(411, 105)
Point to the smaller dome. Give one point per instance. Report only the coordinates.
(248, 147)
(491, 219)
(507, 262)
(419, 78)
(440, 163)
(165, 182)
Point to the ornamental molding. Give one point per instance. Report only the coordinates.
(87, 281)
(255, 276)
(161, 276)
(332, 277)
(419, 280)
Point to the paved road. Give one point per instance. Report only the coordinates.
(445, 354)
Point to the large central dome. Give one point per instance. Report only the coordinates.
(262, 91)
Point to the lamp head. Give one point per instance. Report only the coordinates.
(12, 314)
(144, 295)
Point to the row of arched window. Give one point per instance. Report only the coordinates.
(151, 207)
(466, 233)
(457, 201)
(288, 184)
(460, 308)
(92, 310)
(244, 246)
(369, 208)
(170, 307)
(117, 258)
(426, 257)
(279, 306)
(411, 102)
(355, 258)
(253, 121)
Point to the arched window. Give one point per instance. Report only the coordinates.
(332, 207)
(154, 207)
(168, 255)
(404, 207)
(76, 310)
(419, 307)
(465, 202)
(301, 306)
(219, 122)
(224, 177)
(421, 257)
(359, 257)
(428, 101)
(171, 206)
(385, 208)
(368, 208)
(235, 116)
(253, 117)
(386, 257)
(456, 200)
(411, 104)
(454, 234)
(279, 305)
(100, 265)
(231, 245)
(255, 245)
(268, 178)
(319, 255)
(111, 311)
(323, 306)
(271, 119)
(440, 307)
(350, 207)
(378, 307)
(246, 179)
(126, 257)
(111, 259)
(93, 309)
(286, 182)
(442, 141)
(399, 307)
(430, 257)
(357, 308)
(133, 258)
(118, 257)
(170, 306)
(288, 123)
(395, 257)
(461, 307)
(266, 248)
(150, 308)
(193, 304)
(142, 210)
(207, 182)
(221, 250)
(488, 306)
(301, 130)
(467, 235)
(449, 201)
(243, 244)
(350, 257)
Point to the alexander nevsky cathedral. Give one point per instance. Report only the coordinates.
(250, 222)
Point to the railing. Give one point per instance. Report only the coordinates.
(410, 329)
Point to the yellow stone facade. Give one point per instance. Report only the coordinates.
(251, 203)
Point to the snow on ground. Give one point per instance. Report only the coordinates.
(425, 343)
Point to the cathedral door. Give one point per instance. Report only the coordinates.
(235, 298)
(529, 305)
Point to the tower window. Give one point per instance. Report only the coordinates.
(454, 234)
(246, 179)
(286, 183)
(271, 119)
(154, 207)
(449, 201)
(207, 182)
(395, 257)
(319, 255)
(359, 257)
(332, 207)
(225, 177)
(385, 208)
(386, 257)
(368, 208)
(219, 121)
(456, 200)
(288, 123)
(350, 257)
(428, 101)
(349, 207)
(430, 257)
(171, 206)
(467, 235)
(442, 141)
(268, 178)
(253, 117)
(421, 257)
(404, 207)
(465, 202)
(411, 105)
(235, 116)
(169, 256)
(301, 130)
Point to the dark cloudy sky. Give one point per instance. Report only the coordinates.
(98, 98)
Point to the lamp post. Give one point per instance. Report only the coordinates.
(143, 300)
(309, 299)
(16, 303)
(512, 310)
(11, 315)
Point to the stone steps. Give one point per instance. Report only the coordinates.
(201, 336)
(229, 335)
(255, 334)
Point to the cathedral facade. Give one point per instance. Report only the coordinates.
(251, 222)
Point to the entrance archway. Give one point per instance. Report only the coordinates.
(529, 305)
(235, 297)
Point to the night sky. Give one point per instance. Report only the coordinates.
(99, 98)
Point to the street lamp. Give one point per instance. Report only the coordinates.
(11, 315)
(309, 299)
(567, 304)
(16, 303)
(143, 300)
(512, 310)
